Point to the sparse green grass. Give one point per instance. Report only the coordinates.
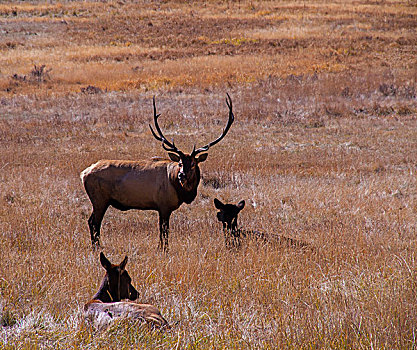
(323, 149)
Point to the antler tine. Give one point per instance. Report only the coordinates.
(225, 130)
(168, 146)
(173, 148)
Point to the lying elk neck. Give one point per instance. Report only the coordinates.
(104, 294)
(238, 232)
(232, 229)
(186, 191)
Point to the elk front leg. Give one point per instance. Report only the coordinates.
(163, 232)
(93, 231)
(94, 223)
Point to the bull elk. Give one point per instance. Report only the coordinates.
(227, 215)
(106, 305)
(160, 185)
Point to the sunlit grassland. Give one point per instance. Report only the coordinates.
(172, 45)
(323, 149)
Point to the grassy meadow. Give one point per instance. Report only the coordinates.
(323, 149)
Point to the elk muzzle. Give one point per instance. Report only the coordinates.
(181, 178)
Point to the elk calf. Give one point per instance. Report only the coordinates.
(227, 215)
(106, 305)
(159, 185)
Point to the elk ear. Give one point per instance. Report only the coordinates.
(174, 157)
(201, 158)
(123, 263)
(104, 261)
(241, 205)
(219, 205)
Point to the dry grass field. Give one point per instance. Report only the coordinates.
(323, 149)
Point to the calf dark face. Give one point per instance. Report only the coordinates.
(228, 213)
(118, 280)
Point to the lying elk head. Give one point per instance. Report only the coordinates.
(188, 170)
(227, 214)
(116, 284)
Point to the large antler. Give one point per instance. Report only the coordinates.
(226, 129)
(168, 146)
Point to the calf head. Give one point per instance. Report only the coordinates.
(227, 213)
(117, 284)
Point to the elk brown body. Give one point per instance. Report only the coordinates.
(106, 305)
(160, 185)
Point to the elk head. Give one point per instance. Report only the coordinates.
(188, 174)
(227, 214)
(117, 284)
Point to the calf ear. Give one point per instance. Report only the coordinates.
(241, 205)
(219, 205)
(174, 157)
(123, 263)
(104, 261)
(201, 158)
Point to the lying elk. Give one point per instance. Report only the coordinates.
(106, 304)
(160, 185)
(227, 215)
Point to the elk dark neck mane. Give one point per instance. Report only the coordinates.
(103, 293)
(185, 196)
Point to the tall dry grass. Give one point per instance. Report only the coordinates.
(322, 153)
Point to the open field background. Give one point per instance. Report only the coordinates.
(323, 149)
